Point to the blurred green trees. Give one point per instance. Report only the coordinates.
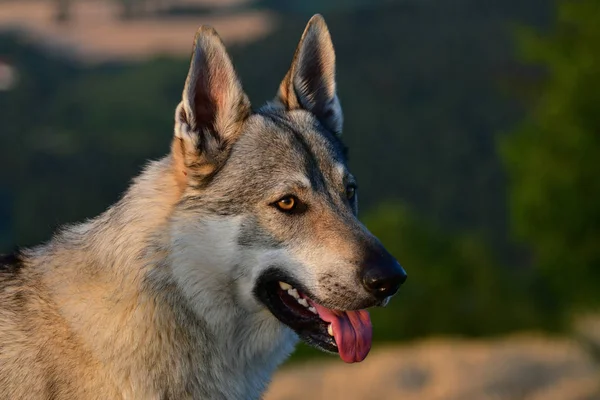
(455, 286)
(553, 158)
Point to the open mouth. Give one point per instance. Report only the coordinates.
(348, 333)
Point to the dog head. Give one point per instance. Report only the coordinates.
(268, 205)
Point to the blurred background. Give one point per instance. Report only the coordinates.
(473, 129)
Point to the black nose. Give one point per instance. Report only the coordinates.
(381, 274)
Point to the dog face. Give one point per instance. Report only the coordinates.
(269, 205)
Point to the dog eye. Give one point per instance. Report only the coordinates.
(350, 192)
(287, 204)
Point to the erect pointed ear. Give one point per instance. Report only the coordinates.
(310, 82)
(214, 106)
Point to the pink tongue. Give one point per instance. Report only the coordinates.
(352, 332)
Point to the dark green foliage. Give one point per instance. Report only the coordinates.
(553, 157)
(455, 283)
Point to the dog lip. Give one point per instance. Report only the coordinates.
(309, 326)
(274, 275)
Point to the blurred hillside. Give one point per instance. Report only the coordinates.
(525, 367)
(103, 30)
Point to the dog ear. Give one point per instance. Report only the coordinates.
(310, 82)
(214, 106)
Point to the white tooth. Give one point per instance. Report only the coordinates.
(385, 301)
(330, 330)
(303, 302)
(312, 309)
(293, 293)
(285, 286)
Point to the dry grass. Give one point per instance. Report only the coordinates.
(96, 34)
(515, 368)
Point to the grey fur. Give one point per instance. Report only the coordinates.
(154, 299)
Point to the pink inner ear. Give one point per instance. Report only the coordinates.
(218, 88)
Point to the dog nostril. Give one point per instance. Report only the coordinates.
(382, 287)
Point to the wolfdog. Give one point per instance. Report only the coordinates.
(200, 281)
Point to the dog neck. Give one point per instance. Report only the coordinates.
(126, 308)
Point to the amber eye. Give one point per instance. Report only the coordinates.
(287, 203)
(350, 192)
